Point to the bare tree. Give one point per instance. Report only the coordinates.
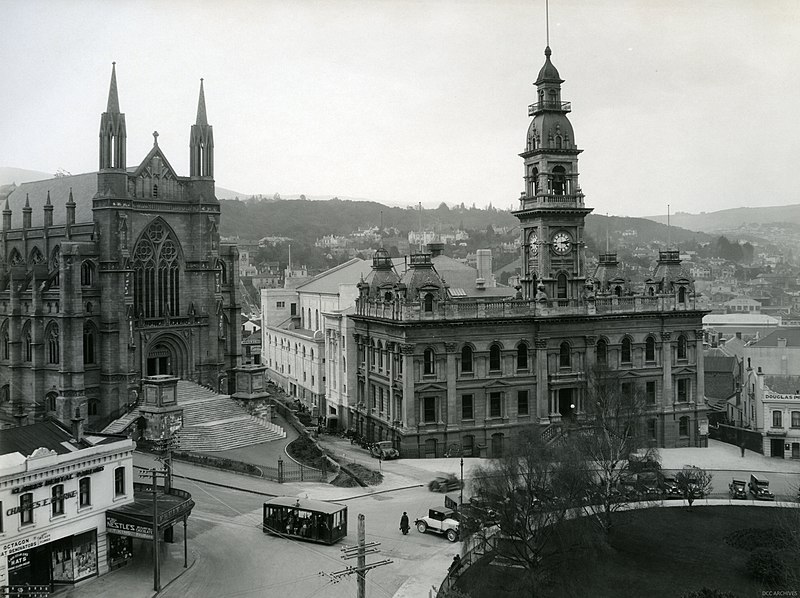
(612, 432)
(693, 483)
(528, 492)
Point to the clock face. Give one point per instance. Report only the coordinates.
(561, 243)
(533, 243)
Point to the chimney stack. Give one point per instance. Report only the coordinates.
(77, 425)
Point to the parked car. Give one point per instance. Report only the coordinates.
(444, 483)
(440, 521)
(648, 484)
(627, 487)
(737, 489)
(669, 487)
(384, 450)
(759, 488)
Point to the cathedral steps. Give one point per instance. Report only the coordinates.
(120, 425)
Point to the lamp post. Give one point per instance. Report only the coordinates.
(461, 495)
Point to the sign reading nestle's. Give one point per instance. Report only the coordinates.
(123, 526)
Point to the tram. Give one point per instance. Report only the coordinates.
(305, 519)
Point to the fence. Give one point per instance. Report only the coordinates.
(732, 435)
(475, 547)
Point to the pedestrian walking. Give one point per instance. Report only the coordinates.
(454, 566)
(742, 447)
(404, 527)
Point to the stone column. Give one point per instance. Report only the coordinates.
(542, 383)
(390, 353)
(666, 353)
(410, 406)
(451, 377)
(700, 382)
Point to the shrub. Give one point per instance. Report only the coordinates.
(766, 566)
(304, 450)
(751, 538)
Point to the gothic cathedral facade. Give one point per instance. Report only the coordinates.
(110, 276)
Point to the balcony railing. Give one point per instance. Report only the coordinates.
(471, 310)
(539, 106)
(544, 199)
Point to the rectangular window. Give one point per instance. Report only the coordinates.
(293, 309)
(522, 402)
(26, 509)
(467, 407)
(626, 389)
(85, 492)
(796, 419)
(683, 390)
(777, 419)
(119, 481)
(650, 391)
(429, 410)
(280, 304)
(683, 426)
(651, 429)
(495, 405)
(57, 500)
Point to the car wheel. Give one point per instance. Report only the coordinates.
(422, 527)
(452, 535)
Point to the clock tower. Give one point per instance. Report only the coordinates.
(552, 211)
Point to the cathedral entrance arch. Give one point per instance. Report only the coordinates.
(166, 354)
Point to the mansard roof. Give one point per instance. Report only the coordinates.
(84, 187)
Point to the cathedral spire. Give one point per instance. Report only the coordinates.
(113, 98)
(202, 119)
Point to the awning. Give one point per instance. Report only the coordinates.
(136, 519)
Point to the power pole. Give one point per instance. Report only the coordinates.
(359, 552)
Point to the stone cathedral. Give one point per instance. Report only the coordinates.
(109, 276)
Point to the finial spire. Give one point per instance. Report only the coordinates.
(70, 200)
(113, 98)
(155, 137)
(547, 21)
(27, 201)
(47, 203)
(202, 119)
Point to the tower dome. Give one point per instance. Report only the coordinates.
(548, 73)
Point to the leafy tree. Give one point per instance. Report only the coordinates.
(693, 483)
(612, 433)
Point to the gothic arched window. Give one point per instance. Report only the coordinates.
(50, 401)
(156, 267)
(55, 267)
(87, 274)
(4, 341)
(27, 343)
(88, 343)
(53, 345)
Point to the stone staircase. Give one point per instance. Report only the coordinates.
(211, 422)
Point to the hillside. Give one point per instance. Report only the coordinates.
(733, 218)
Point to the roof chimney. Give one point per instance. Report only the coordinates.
(77, 425)
(436, 248)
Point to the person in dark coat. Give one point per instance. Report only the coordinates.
(404, 527)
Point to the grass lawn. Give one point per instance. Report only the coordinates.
(659, 552)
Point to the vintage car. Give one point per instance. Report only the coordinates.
(444, 483)
(648, 484)
(669, 487)
(759, 488)
(384, 450)
(737, 489)
(440, 521)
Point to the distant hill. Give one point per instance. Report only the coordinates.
(10, 175)
(733, 218)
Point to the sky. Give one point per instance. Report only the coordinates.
(687, 103)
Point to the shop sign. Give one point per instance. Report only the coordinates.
(24, 543)
(57, 480)
(122, 526)
(19, 560)
(40, 503)
(703, 425)
(773, 396)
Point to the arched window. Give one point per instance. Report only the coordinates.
(316, 319)
(93, 406)
(651, 291)
(494, 357)
(466, 359)
(618, 291)
(88, 343)
(5, 394)
(387, 296)
(626, 350)
(156, 272)
(53, 345)
(50, 401)
(36, 256)
(682, 295)
(559, 176)
(522, 356)
(4, 341)
(87, 273)
(565, 355)
(223, 272)
(561, 286)
(650, 349)
(602, 352)
(428, 302)
(682, 347)
(27, 343)
(428, 362)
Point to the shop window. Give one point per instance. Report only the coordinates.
(522, 356)
(564, 355)
(777, 419)
(796, 419)
(57, 500)
(494, 358)
(429, 410)
(522, 402)
(495, 404)
(467, 407)
(26, 509)
(85, 492)
(683, 426)
(119, 481)
(625, 356)
(466, 359)
(428, 361)
(650, 349)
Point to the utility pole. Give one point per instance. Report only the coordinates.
(155, 473)
(359, 552)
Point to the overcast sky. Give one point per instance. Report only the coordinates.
(690, 103)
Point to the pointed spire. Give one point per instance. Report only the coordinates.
(7, 207)
(27, 202)
(47, 203)
(70, 200)
(202, 119)
(113, 99)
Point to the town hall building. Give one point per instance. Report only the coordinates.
(110, 276)
(438, 373)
